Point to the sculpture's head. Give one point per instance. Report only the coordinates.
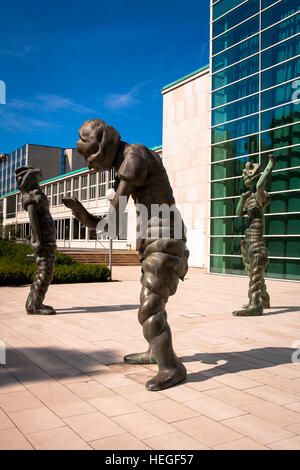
(99, 144)
(28, 178)
(251, 174)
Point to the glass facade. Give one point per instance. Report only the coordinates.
(255, 110)
(8, 164)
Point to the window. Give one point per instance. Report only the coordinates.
(48, 194)
(102, 184)
(61, 192)
(278, 12)
(281, 73)
(235, 35)
(280, 116)
(79, 230)
(62, 229)
(280, 31)
(234, 129)
(282, 137)
(236, 53)
(19, 203)
(235, 91)
(76, 188)
(227, 188)
(280, 53)
(276, 96)
(68, 188)
(11, 207)
(84, 188)
(247, 9)
(93, 185)
(235, 110)
(111, 181)
(236, 72)
(235, 148)
(230, 168)
(54, 194)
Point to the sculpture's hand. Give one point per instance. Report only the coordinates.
(272, 158)
(246, 195)
(80, 212)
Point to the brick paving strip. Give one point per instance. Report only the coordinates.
(65, 386)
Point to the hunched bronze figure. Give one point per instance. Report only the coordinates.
(253, 249)
(43, 237)
(141, 174)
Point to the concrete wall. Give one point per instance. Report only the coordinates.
(48, 159)
(186, 156)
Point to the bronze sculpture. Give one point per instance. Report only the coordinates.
(43, 239)
(253, 249)
(140, 173)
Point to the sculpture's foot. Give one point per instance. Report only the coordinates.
(43, 310)
(250, 311)
(167, 378)
(140, 358)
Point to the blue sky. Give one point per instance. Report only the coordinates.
(66, 61)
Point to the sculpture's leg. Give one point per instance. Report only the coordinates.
(257, 268)
(160, 279)
(40, 284)
(265, 298)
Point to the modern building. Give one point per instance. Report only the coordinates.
(255, 110)
(53, 160)
(241, 107)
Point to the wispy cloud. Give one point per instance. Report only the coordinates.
(16, 53)
(49, 103)
(120, 101)
(11, 122)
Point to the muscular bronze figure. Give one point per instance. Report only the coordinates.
(43, 239)
(140, 173)
(254, 251)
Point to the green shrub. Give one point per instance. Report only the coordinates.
(16, 269)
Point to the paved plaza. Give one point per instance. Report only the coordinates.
(65, 386)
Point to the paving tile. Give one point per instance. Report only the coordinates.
(241, 444)
(182, 393)
(5, 422)
(93, 426)
(35, 419)
(57, 439)
(231, 396)
(207, 431)
(282, 383)
(113, 406)
(169, 410)
(13, 439)
(121, 442)
(174, 441)
(272, 395)
(293, 443)
(90, 389)
(257, 429)
(273, 413)
(137, 393)
(143, 424)
(294, 428)
(19, 401)
(214, 409)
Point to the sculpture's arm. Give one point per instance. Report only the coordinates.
(80, 213)
(241, 204)
(260, 187)
(37, 239)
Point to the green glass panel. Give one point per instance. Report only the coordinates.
(289, 135)
(281, 73)
(226, 265)
(285, 158)
(235, 110)
(231, 130)
(229, 226)
(293, 247)
(224, 207)
(236, 72)
(234, 17)
(235, 91)
(282, 224)
(281, 31)
(227, 188)
(280, 116)
(284, 51)
(235, 148)
(294, 202)
(230, 168)
(279, 203)
(236, 53)
(235, 35)
(276, 246)
(278, 12)
(276, 96)
(225, 245)
(283, 269)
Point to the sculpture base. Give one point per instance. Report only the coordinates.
(43, 310)
(140, 358)
(167, 378)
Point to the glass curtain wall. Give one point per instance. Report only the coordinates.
(255, 110)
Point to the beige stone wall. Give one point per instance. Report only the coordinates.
(186, 157)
